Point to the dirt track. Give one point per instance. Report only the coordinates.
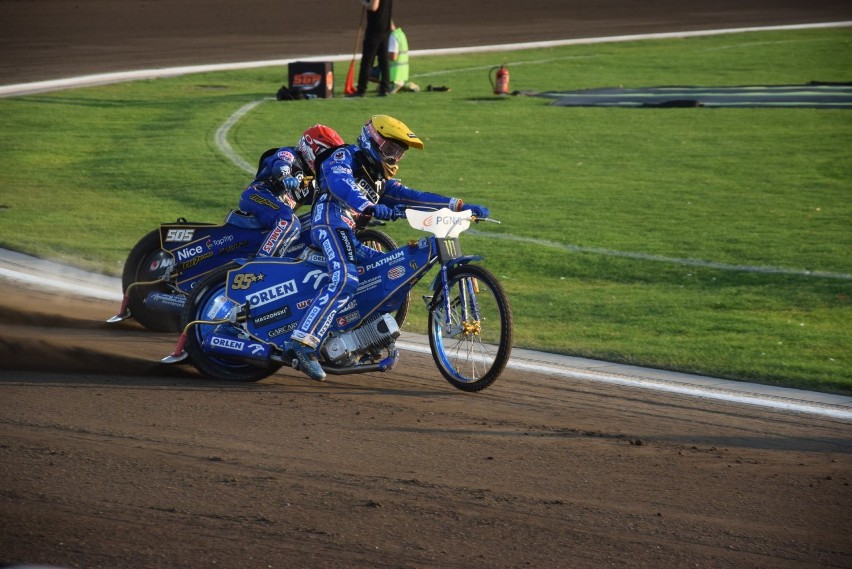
(109, 460)
(117, 462)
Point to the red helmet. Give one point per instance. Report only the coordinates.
(316, 139)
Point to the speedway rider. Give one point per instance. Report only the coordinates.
(356, 180)
(280, 187)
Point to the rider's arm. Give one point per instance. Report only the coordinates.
(397, 193)
(337, 179)
(281, 163)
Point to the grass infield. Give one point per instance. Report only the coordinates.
(711, 241)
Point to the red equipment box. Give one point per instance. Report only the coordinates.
(313, 79)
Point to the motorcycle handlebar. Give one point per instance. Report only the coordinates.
(399, 213)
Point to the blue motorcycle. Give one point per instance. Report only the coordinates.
(167, 263)
(238, 320)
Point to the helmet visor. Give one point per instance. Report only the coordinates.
(391, 150)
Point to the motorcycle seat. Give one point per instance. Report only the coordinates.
(313, 256)
(242, 219)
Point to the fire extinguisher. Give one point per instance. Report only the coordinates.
(501, 85)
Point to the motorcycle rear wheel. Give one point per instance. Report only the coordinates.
(148, 262)
(473, 347)
(206, 299)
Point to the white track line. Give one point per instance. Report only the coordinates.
(118, 77)
(50, 275)
(221, 136)
(673, 382)
(52, 283)
(662, 259)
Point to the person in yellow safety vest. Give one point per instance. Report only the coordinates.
(398, 59)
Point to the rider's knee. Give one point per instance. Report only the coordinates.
(347, 279)
(295, 225)
(284, 232)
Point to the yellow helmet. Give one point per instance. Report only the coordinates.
(385, 139)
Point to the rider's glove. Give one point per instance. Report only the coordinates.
(291, 184)
(381, 211)
(478, 210)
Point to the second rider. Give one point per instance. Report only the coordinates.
(281, 186)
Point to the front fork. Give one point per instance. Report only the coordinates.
(469, 323)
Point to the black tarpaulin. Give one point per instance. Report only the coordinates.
(812, 95)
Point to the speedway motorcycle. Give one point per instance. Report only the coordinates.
(167, 263)
(239, 319)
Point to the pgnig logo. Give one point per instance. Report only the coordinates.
(439, 220)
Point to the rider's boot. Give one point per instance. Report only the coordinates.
(308, 363)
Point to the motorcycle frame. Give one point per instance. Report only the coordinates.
(445, 252)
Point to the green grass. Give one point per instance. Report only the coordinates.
(575, 188)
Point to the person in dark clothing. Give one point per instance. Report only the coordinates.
(375, 45)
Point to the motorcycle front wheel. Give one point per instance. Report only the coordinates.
(470, 329)
(208, 302)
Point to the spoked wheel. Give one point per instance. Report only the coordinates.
(147, 262)
(208, 302)
(381, 241)
(472, 339)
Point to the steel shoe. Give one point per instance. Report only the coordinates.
(307, 362)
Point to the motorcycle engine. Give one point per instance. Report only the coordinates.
(377, 333)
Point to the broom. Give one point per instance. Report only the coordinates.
(349, 88)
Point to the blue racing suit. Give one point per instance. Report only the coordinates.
(273, 204)
(346, 189)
